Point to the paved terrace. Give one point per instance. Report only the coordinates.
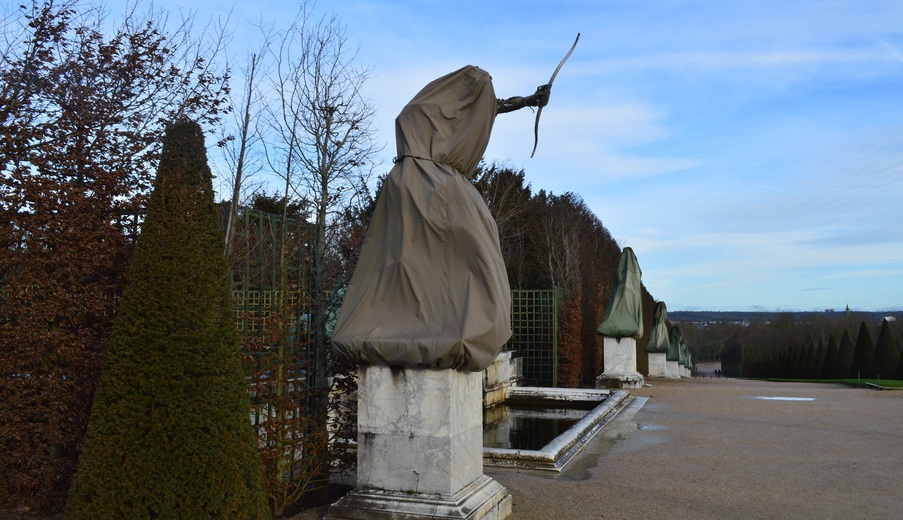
(714, 448)
(720, 448)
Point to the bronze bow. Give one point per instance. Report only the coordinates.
(549, 85)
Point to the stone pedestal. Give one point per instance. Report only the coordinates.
(672, 369)
(498, 379)
(620, 364)
(420, 448)
(657, 364)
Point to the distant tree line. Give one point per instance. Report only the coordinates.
(814, 346)
(705, 338)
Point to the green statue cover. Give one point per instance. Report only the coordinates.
(676, 339)
(624, 314)
(658, 337)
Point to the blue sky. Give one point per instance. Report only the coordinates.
(751, 153)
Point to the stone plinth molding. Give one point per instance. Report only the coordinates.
(657, 364)
(620, 364)
(672, 370)
(420, 448)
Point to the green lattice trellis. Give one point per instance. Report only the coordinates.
(258, 258)
(257, 262)
(534, 325)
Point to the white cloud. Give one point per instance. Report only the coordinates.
(747, 151)
(726, 61)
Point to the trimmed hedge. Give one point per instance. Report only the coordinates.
(169, 434)
(864, 357)
(887, 356)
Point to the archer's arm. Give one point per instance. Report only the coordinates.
(539, 99)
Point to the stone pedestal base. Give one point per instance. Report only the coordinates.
(614, 381)
(483, 499)
(657, 363)
(672, 369)
(620, 364)
(420, 448)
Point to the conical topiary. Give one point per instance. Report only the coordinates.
(819, 363)
(169, 434)
(846, 351)
(830, 366)
(887, 357)
(864, 357)
(900, 364)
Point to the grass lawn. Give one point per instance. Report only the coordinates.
(885, 383)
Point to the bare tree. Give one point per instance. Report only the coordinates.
(557, 220)
(318, 141)
(324, 124)
(508, 197)
(324, 130)
(236, 155)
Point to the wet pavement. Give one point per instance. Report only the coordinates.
(727, 448)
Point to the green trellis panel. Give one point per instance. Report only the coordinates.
(255, 297)
(256, 265)
(534, 326)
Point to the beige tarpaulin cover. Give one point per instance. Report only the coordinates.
(658, 336)
(624, 314)
(430, 288)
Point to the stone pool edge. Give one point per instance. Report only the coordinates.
(555, 455)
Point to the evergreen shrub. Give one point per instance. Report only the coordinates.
(864, 356)
(887, 357)
(169, 434)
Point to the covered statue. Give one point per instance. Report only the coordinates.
(659, 340)
(624, 314)
(430, 289)
(676, 339)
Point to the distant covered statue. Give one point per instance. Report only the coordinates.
(675, 340)
(659, 340)
(430, 289)
(624, 314)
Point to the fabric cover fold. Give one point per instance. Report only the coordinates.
(658, 336)
(430, 289)
(624, 314)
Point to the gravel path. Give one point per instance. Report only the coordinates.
(714, 448)
(728, 448)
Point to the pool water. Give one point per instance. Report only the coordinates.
(520, 428)
(545, 428)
